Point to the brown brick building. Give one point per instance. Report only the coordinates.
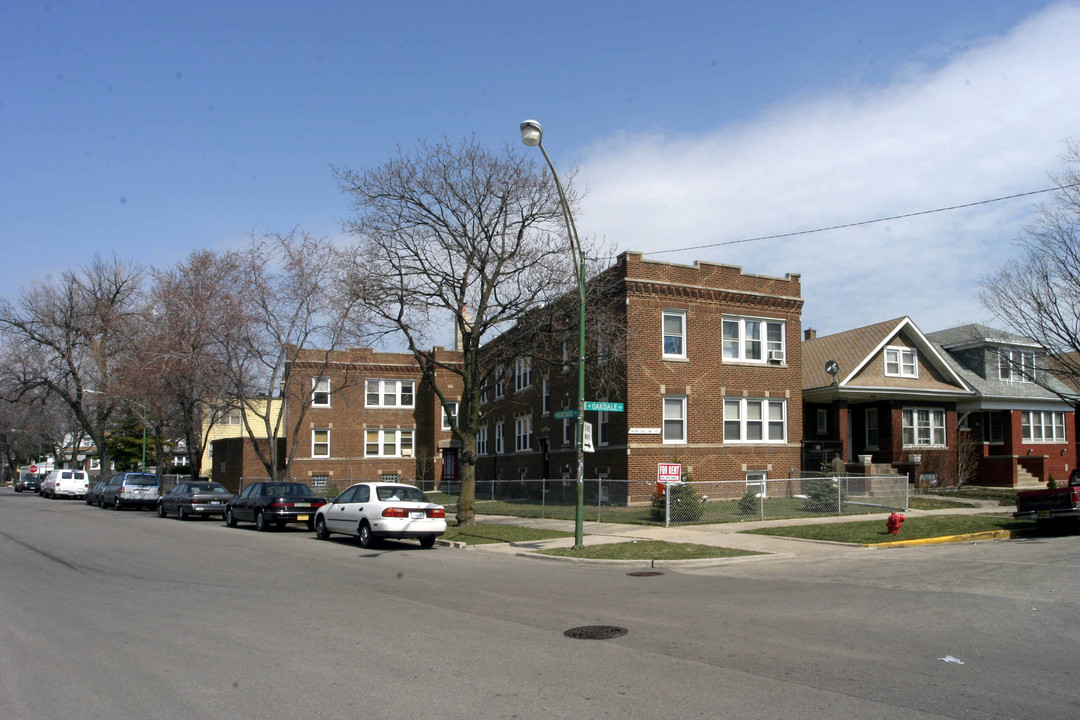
(711, 378)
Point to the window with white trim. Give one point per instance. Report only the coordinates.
(674, 419)
(872, 434)
(901, 362)
(755, 420)
(500, 448)
(1016, 365)
(320, 442)
(567, 432)
(388, 443)
(522, 373)
(500, 382)
(755, 483)
(450, 410)
(231, 417)
(752, 339)
(993, 427)
(523, 433)
(389, 393)
(1042, 426)
(566, 356)
(320, 392)
(923, 427)
(545, 396)
(674, 331)
(603, 427)
(482, 441)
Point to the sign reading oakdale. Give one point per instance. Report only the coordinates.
(604, 406)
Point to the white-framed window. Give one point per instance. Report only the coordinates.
(674, 419)
(674, 331)
(522, 433)
(389, 393)
(567, 432)
(923, 427)
(603, 427)
(320, 442)
(872, 434)
(500, 382)
(231, 417)
(522, 373)
(755, 483)
(500, 446)
(752, 339)
(566, 356)
(822, 421)
(450, 410)
(320, 392)
(388, 443)
(901, 362)
(755, 420)
(482, 440)
(545, 396)
(1016, 365)
(1042, 426)
(993, 427)
(484, 395)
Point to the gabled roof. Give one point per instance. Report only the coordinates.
(854, 350)
(971, 335)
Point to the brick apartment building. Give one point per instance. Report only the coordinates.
(712, 379)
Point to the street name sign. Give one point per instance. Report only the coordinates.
(604, 406)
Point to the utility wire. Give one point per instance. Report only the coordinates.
(864, 222)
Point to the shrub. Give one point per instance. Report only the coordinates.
(685, 504)
(823, 495)
(750, 503)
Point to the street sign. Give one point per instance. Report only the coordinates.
(565, 414)
(32, 468)
(604, 406)
(669, 472)
(586, 440)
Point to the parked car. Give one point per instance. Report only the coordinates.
(93, 495)
(189, 499)
(65, 483)
(131, 489)
(28, 481)
(1051, 504)
(375, 510)
(274, 503)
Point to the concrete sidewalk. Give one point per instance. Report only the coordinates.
(728, 535)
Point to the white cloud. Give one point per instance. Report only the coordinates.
(988, 122)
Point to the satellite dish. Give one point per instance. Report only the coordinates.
(832, 368)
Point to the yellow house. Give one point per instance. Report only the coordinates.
(230, 425)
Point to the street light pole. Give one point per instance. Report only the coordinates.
(532, 134)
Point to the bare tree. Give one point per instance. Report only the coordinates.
(1038, 295)
(69, 335)
(288, 302)
(456, 231)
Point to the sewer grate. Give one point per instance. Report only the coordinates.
(595, 632)
(644, 573)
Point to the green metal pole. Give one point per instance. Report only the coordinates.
(579, 513)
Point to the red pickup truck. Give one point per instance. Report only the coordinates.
(1052, 503)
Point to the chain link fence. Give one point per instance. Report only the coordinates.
(639, 502)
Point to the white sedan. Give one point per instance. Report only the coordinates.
(375, 510)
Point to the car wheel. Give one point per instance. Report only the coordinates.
(428, 541)
(366, 537)
(161, 510)
(320, 529)
(260, 522)
(18, 490)
(180, 514)
(230, 519)
(116, 503)
(101, 502)
(89, 501)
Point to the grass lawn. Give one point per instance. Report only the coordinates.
(867, 532)
(647, 550)
(933, 502)
(1003, 496)
(482, 533)
(636, 515)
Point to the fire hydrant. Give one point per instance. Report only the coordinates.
(894, 522)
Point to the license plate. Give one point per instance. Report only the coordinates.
(302, 518)
(417, 515)
(1042, 513)
(301, 504)
(215, 502)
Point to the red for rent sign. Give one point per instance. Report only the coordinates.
(669, 472)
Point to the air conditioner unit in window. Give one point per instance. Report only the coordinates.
(776, 356)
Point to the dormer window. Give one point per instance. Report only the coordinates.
(901, 362)
(1016, 365)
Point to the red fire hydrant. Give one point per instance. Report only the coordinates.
(894, 522)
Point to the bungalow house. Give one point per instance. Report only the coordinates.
(883, 395)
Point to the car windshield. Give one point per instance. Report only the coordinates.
(287, 489)
(142, 480)
(400, 493)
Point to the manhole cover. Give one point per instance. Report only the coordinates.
(595, 632)
(644, 573)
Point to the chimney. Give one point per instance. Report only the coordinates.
(810, 334)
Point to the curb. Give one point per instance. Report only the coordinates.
(969, 537)
(690, 563)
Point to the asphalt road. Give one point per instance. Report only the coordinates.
(109, 614)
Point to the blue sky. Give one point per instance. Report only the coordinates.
(151, 129)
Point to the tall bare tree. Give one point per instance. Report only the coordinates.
(1038, 294)
(289, 303)
(460, 232)
(70, 334)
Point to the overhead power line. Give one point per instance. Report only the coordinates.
(864, 222)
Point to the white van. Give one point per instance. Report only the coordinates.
(65, 483)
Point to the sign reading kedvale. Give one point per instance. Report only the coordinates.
(669, 472)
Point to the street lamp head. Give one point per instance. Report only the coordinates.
(531, 133)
